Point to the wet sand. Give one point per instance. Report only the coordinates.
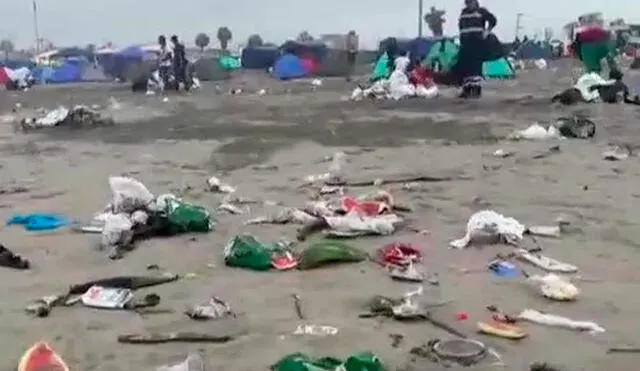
(294, 127)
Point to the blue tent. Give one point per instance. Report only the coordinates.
(498, 69)
(70, 71)
(289, 66)
(534, 50)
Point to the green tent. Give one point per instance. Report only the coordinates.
(498, 69)
(381, 68)
(229, 63)
(444, 53)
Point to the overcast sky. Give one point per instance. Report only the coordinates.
(79, 22)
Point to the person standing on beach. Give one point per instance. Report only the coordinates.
(352, 53)
(165, 58)
(592, 45)
(475, 24)
(179, 63)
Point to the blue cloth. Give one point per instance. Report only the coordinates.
(289, 66)
(504, 269)
(39, 222)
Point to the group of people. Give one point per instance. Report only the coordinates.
(173, 63)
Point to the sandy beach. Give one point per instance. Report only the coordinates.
(175, 146)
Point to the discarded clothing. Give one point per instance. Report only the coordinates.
(39, 222)
(492, 227)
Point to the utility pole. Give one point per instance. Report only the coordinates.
(518, 24)
(420, 15)
(35, 26)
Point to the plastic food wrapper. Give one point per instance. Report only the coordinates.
(488, 223)
(107, 297)
(128, 194)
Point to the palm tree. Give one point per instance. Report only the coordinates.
(304, 36)
(435, 21)
(202, 41)
(254, 41)
(224, 35)
(7, 47)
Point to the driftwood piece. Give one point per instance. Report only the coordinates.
(393, 179)
(297, 304)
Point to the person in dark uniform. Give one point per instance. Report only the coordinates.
(475, 24)
(179, 63)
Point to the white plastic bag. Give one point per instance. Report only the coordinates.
(488, 223)
(193, 362)
(117, 231)
(128, 194)
(399, 85)
(427, 92)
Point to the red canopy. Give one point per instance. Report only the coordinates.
(4, 78)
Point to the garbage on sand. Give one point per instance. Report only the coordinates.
(113, 293)
(174, 337)
(77, 117)
(135, 213)
(617, 153)
(10, 259)
(39, 221)
(41, 356)
(329, 252)
(398, 254)
(501, 329)
(365, 361)
(216, 308)
(400, 85)
(488, 226)
(540, 318)
(544, 262)
(565, 127)
(315, 330)
(192, 362)
(409, 273)
(555, 287)
(246, 251)
(404, 308)
(216, 185)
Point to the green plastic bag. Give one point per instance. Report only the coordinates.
(303, 362)
(381, 69)
(327, 252)
(245, 251)
(185, 217)
(366, 361)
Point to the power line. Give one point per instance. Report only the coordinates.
(518, 24)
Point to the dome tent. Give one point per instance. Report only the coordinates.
(444, 54)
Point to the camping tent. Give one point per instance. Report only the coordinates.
(210, 69)
(70, 71)
(381, 68)
(3, 76)
(289, 66)
(534, 50)
(444, 53)
(261, 57)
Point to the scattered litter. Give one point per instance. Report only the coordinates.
(544, 231)
(504, 269)
(540, 318)
(109, 298)
(408, 273)
(546, 263)
(502, 153)
(536, 132)
(555, 287)
(193, 362)
(216, 185)
(216, 308)
(39, 222)
(617, 153)
(398, 254)
(501, 329)
(487, 226)
(246, 251)
(365, 361)
(315, 330)
(77, 117)
(10, 259)
(329, 252)
(41, 356)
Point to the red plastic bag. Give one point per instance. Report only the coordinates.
(399, 254)
(366, 208)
